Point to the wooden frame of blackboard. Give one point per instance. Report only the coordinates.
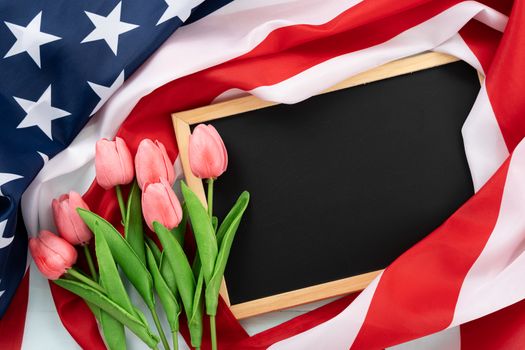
(184, 119)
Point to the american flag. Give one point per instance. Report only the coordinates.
(460, 288)
(59, 63)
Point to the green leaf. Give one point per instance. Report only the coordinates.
(168, 275)
(133, 268)
(213, 287)
(195, 323)
(167, 299)
(215, 223)
(154, 249)
(164, 266)
(180, 231)
(176, 258)
(141, 316)
(133, 224)
(95, 297)
(109, 276)
(227, 222)
(110, 280)
(196, 267)
(113, 332)
(94, 309)
(203, 231)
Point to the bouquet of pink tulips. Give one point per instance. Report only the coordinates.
(165, 271)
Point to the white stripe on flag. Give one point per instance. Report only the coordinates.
(484, 143)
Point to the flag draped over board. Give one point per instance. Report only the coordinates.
(463, 282)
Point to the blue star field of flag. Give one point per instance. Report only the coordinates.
(60, 60)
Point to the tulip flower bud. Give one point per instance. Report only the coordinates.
(113, 163)
(207, 153)
(52, 255)
(159, 203)
(152, 163)
(69, 224)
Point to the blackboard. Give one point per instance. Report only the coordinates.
(343, 183)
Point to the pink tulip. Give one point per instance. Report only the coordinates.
(113, 163)
(69, 224)
(152, 163)
(159, 203)
(53, 255)
(207, 153)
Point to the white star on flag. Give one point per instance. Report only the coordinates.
(177, 8)
(108, 28)
(29, 39)
(105, 91)
(4, 242)
(7, 177)
(40, 113)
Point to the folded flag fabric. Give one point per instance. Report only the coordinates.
(286, 51)
(59, 63)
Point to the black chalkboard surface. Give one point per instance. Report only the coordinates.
(343, 183)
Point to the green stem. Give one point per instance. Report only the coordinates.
(79, 276)
(213, 333)
(210, 198)
(159, 328)
(121, 203)
(175, 340)
(90, 263)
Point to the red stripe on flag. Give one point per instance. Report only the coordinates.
(417, 293)
(504, 329)
(482, 41)
(506, 78)
(13, 321)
